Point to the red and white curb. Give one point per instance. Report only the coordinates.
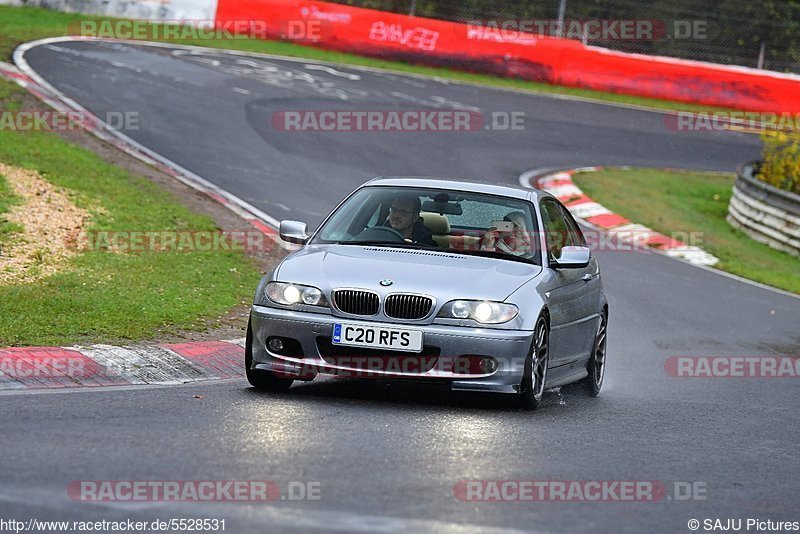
(26, 77)
(105, 365)
(560, 185)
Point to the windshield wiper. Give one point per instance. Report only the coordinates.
(496, 254)
(403, 244)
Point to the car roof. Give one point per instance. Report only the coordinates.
(459, 184)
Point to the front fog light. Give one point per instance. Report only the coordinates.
(488, 365)
(275, 345)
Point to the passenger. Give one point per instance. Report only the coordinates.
(516, 242)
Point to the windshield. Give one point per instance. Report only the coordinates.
(455, 221)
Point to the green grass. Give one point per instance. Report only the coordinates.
(109, 297)
(22, 24)
(676, 201)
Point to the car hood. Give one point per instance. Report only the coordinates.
(440, 274)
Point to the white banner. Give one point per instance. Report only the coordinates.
(172, 10)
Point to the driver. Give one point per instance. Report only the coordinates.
(404, 217)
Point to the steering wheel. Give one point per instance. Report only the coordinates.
(380, 233)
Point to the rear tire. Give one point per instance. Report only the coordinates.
(597, 363)
(531, 390)
(259, 379)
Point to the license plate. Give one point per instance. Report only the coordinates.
(377, 337)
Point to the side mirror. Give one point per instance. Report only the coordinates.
(294, 232)
(572, 258)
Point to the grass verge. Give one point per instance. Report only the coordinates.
(7, 199)
(112, 297)
(676, 201)
(22, 24)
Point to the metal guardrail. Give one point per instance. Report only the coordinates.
(765, 213)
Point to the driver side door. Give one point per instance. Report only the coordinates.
(572, 313)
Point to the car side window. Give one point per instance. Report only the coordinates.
(575, 238)
(556, 230)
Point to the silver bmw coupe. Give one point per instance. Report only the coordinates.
(486, 288)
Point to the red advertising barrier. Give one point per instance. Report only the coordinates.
(543, 59)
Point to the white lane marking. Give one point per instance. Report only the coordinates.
(692, 254)
(240, 341)
(629, 230)
(64, 50)
(121, 65)
(103, 389)
(241, 91)
(594, 169)
(146, 365)
(434, 101)
(589, 209)
(408, 81)
(563, 191)
(332, 71)
(247, 63)
(526, 177)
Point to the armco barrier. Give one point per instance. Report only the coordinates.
(545, 59)
(765, 213)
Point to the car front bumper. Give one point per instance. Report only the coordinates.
(443, 346)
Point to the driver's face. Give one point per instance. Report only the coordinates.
(402, 217)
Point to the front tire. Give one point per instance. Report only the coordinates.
(531, 390)
(263, 380)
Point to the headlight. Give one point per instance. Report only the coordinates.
(482, 311)
(290, 294)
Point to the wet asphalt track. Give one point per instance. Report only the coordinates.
(387, 456)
